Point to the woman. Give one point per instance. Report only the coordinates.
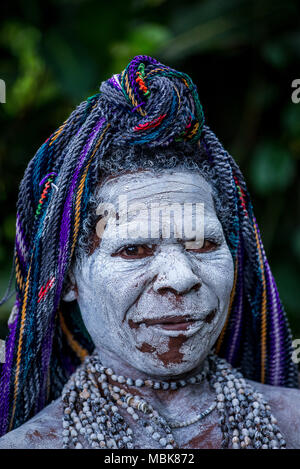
(150, 308)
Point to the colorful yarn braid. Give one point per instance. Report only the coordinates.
(147, 104)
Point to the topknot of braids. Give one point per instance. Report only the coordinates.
(153, 104)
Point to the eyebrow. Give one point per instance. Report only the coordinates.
(118, 243)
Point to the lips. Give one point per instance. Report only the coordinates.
(171, 323)
(175, 325)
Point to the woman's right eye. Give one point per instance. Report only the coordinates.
(137, 251)
(207, 246)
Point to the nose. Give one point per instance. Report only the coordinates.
(175, 274)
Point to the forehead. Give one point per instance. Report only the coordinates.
(166, 186)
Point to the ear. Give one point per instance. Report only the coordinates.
(70, 292)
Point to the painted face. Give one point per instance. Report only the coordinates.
(157, 303)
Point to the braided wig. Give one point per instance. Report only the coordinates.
(149, 107)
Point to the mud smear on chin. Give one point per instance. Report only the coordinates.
(146, 348)
(172, 355)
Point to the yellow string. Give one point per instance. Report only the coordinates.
(263, 311)
(19, 276)
(222, 335)
(57, 133)
(78, 349)
(23, 317)
(80, 190)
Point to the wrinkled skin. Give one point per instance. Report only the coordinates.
(169, 280)
(126, 295)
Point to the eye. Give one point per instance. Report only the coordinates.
(206, 246)
(136, 251)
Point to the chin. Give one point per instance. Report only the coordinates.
(156, 368)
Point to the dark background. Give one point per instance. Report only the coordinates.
(243, 56)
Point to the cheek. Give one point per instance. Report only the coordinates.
(228, 276)
(107, 291)
(124, 287)
(219, 274)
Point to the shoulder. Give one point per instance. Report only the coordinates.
(285, 406)
(43, 431)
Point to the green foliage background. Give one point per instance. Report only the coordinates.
(243, 55)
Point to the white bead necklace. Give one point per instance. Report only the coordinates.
(194, 419)
(92, 404)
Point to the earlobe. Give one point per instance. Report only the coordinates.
(71, 292)
(70, 295)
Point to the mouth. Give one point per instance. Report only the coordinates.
(171, 323)
(173, 326)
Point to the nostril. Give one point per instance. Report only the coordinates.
(165, 290)
(196, 287)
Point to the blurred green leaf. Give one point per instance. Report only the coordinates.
(288, 280)
(275, 54)
(272, 168)
(32, 84)
(291, 119)
(9, 227)
(71, 66)
(145, 39)
(296, 243)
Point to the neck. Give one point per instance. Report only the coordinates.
(166, 400)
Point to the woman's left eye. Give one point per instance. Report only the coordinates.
(206, 246)
(138, 251)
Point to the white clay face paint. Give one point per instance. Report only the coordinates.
(123, 300)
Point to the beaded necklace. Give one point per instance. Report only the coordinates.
(92, 418)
